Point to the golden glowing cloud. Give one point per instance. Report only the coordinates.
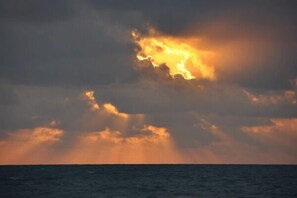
(113, 110)
(107, 107)
(178, 54)
(92, 101)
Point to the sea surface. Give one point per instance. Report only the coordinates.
(148, 181)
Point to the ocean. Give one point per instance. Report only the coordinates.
(148, 181)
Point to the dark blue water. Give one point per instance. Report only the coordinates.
(148, 181)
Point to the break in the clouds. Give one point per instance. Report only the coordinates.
(148, 82)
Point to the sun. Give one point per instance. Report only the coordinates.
(178, 54)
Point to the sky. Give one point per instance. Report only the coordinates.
(148, 82)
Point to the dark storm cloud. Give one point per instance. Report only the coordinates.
(176, 16)
(35, 10)
(37, 106)
(85, 49)
(7, 95)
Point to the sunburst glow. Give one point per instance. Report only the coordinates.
(178, 54)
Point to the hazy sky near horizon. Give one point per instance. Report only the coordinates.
(159, 81)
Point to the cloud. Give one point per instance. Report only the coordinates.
(100, 54)
(280, 126)
(151, 145)
(272, 98)
(148, 134)
(28, 146)
(91, 100)
(35, 11)
(171, 96)
(280, 135)
(257, 55)
(105, 134)
(45, 145)
(8, 96)
(88, 43)
(178, 55)
(47, 134)
(72, 89)
(229, 149)
(125, 139)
